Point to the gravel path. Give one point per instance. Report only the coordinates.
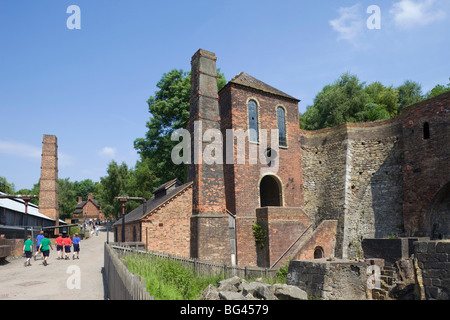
(79, 279)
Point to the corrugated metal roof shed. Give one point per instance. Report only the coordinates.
(18, 205)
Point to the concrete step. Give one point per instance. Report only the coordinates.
(380, 294)
(388, 273)
(390, 281)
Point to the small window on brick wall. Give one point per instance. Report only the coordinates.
(426, 130)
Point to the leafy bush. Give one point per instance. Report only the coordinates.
(259, 234)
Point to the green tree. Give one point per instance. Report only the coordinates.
(83, 188)
(143, 180)
(5, 186)
(409, 92)
(310, 119)
(349, 100)
(34, 191)
(114, 184)
(336, 103)
(386, 98)
(438, 90)
(66, 198)
(169, 111)
(372, 112)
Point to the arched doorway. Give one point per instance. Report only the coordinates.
(439, 215)
(318, 253)
(270, 192)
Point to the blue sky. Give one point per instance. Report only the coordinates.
(89, 86)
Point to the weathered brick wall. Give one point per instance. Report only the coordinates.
(281, 226)
(353, 174)
(228, 168)
(243, 180)
(323, 237)
(208, 189)
(324, 176)
(210, 240)
(380, 178)
(426, 168)
(234, 110)
(168, 229)
(374, 189)
(92, 211)
(132, 232)
(434, 262)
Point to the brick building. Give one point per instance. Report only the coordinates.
(165, 216)
(312, 194)
(88, 209)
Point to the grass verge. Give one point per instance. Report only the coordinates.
(168, 279)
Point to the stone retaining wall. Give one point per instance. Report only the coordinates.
(329, 280)
(434, 261)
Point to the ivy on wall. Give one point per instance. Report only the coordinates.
(259, 234)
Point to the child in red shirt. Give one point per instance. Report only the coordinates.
(59, 246)
(67, 242)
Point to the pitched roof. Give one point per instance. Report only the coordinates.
(166, 186)
(80, 205)
(156, 201)
(246, 80)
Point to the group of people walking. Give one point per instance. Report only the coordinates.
(65, 243)
(43, 246)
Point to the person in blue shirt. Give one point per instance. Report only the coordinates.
(76, 246)
(38, 243)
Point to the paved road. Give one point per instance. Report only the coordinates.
(60, 279)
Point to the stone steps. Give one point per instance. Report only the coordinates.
(387, 283)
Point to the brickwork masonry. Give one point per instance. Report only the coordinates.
(380, 179)
(353, 175)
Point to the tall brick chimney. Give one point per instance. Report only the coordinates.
(209, 222)
(48, 189)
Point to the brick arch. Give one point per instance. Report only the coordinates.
(438, 222)
(318, 252)
(270, 191)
